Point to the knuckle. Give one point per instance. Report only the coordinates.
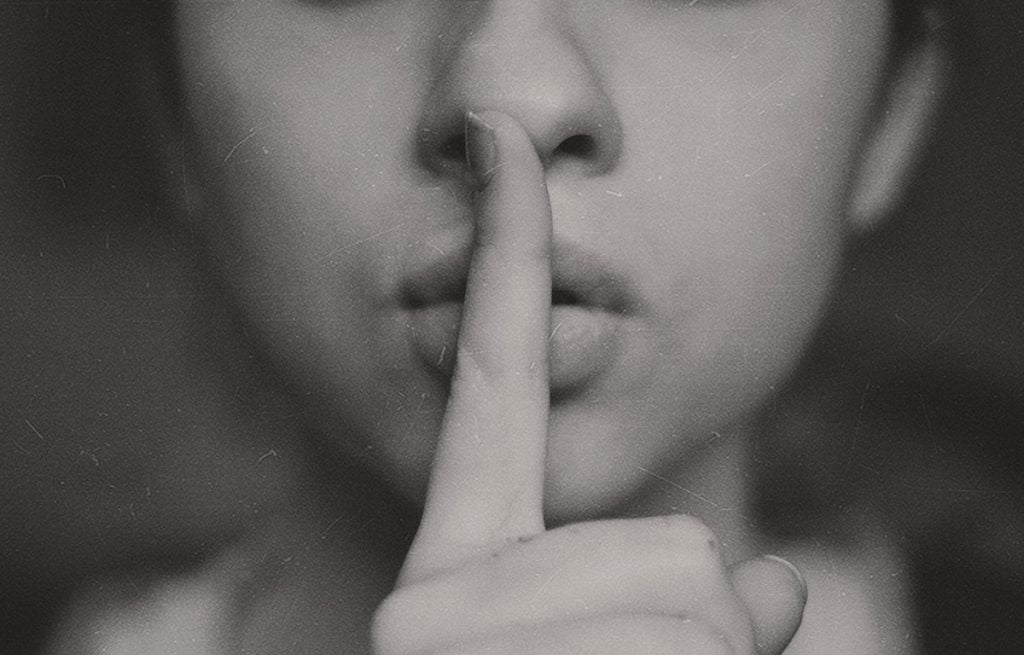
(691, 535)
(688, 553)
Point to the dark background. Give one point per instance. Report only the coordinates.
(107, 411)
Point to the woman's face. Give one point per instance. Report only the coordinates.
(698, 158)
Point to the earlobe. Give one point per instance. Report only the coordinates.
(900, 128)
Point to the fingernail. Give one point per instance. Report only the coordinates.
(792, 568)
(481, 149)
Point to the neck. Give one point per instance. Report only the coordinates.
(712, 484)
(335, 553)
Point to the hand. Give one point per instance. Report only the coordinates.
(483, 575)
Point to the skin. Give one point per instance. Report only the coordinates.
(722, 144)
(716, 192)
(469, 582)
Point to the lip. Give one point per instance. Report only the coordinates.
(591, 303)
(578, 277)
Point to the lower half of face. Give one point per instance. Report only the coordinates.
(690, 267)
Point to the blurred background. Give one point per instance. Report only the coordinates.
(111, 390)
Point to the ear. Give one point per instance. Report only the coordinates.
(911, 96)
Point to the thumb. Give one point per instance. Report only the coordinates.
(774, 593)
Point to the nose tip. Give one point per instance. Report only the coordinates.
(516, 63)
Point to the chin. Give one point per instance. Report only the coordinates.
(581, 497)
(595, 465)
(600, 460)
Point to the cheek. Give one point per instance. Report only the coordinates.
(303, 206)
(748, 259)
(736, 219)
(749, 195)
(298, 156)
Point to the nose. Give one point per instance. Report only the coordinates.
(523, 58)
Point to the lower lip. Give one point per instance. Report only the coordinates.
(584, 342)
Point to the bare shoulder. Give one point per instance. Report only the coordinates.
(859, 599)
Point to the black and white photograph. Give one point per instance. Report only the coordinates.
(511, 327)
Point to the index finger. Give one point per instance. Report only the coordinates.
(487, 481)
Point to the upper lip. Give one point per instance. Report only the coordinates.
(578, 277)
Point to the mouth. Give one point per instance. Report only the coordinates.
(578, 278)
(590, 305)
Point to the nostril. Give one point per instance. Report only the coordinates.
(453, 149)
(579, 146)
(444, 151)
